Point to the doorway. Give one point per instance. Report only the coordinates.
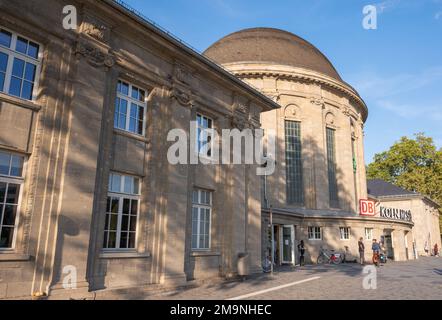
(388, 243)
(287, 244)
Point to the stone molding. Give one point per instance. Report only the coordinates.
(95, 55)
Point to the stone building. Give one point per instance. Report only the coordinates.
(320, 177)
(86, 189)
(392, 201)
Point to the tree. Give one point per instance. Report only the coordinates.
(413, 164)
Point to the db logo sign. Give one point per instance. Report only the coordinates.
(366, 207)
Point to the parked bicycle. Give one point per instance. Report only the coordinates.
(329, 256)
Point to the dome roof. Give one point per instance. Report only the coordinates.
(272, 46)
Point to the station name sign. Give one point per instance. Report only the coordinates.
(369, 208)
(396, 214)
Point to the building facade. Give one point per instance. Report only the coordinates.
(392, 202)
(320, 177)
(86, 189)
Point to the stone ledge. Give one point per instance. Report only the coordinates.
(124, 255)
(14, 257)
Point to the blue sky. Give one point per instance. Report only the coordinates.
(397, 68)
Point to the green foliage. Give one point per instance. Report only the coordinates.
(413, 164)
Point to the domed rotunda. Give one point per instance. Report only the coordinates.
(320, 177)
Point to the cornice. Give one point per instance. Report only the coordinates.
(250, 71)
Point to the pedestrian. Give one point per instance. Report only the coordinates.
(301, 250)
(436, 250)
(376, 250)
(426, 248)
(361, 248)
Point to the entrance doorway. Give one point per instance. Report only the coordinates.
(283, 244)
(288, 244)
(388, 243)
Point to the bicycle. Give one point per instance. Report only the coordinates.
(326, 257)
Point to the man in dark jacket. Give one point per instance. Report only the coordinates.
(361, 248)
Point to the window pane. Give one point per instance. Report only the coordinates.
(128, 184)
(135, 93)
(13, 192)
(124, 88)
(113, 222)
(114, 207)
(131, 240)
(112, 240)
(136, 189)
(6, 237)
(30, 72)
(2, 193)
(26, 92)
(22, 45)
(123, 240)
(3, 61)
(18, 67)
(194, 241)
(134, 208)
(117, 111)
(126, 206)
(16, 166)
(195, 196)
(116, 183)
(4, 163)
(133, 223)
(105, 239)
(33, 50)
(15, 87)
(5, 38)
(125, 222)
(2, 82)
(9, 215)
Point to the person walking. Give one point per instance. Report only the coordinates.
(361, 248)
(301, 250)
(436, 250)
(376, 250)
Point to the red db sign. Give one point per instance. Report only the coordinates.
(366, 207)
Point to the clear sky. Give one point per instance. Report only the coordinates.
(396, 68)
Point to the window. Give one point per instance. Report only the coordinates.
(130, 108)
(11, 169)
(368, 233)
(295, 192)
(121, 212)
(345, 233)
(19, 65)
(331, 163)
(201, 219)
(203, 137)
(314, 233)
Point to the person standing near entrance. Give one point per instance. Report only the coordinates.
(301, 250)
(361, 248)
(376, 251)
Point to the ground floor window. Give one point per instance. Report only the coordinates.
(345, 233)
(121, 212)
(201, 219)
(314, 233)
(11, 180)
(368, 233)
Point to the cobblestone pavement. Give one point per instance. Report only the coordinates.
(421, 279)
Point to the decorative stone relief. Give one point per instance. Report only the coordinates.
(317, 101)
(182, 97)
(94, 28)
(95, 56)
(330, 118)
(181, 74)
(292, 111)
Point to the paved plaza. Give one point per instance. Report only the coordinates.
(421, 279)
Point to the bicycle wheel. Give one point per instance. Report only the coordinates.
(337, 260)
(321, 259)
